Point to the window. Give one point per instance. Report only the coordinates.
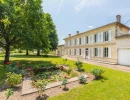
(96, 38)
(79, 51)
(70, 42)
(105, 52)
(74, 51)
(106, 36)
(75, 42)
(86, 39)
(79, 41)
(96, 52)
(70, 51)
(86, 51)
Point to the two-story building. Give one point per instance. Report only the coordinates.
(99, 44)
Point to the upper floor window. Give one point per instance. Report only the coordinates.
(79, 51)
(96, 38)
(70, 42)
(80, 41)
(87, 39)
(96, 52)
(75, 41)
(106, 52)
(106, 36)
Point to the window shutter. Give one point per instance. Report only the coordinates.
(101, 52)
(84, 40)
(109, 35)
(82, 52)
(77, 41)
(77, 51)
(88, 53)
(92, 52)
(92, 38)
(101, 36)
(98, 52)
(109, 52)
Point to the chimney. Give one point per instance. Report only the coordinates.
(77, 32)
(69, 35)
(118, 18)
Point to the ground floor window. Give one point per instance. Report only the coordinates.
(70, 51)
(74, 51)
(86, 51)
(105, 52)
(96, 52)
(79, 51)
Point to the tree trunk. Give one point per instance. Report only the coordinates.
(7, 53)
(27, 52)
(38, 52)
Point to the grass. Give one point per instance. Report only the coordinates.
(116, 87)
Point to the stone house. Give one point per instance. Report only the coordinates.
(106, 44)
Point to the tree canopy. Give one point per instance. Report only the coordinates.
(24, 24)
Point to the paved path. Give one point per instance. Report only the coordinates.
(116, 67)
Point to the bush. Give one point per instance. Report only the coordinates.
(82, 79)
(8, 93)
(13, 79)
(79, 65)
(14, 68)
(97, 73)
(40, 85)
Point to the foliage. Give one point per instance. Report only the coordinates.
(40, 85)
(14, 68)
(13, 79)
(79, 65)
(64, 61)
(97, 73)
(46, 51)
(9, 92)
(69, 70)
(82, 79)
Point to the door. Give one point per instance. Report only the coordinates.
(87, 55)
(124, 57)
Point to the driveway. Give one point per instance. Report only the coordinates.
(116, 67)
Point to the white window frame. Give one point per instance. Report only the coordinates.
(106, 36)
(106, 52)
(96, 52)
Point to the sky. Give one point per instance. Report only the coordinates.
(70, 16)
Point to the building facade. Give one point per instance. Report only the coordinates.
(60, 51)
(98, 44)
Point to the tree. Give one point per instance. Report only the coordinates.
(11, 24)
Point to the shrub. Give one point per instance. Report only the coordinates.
(14, 68)
(40, 85)
(82, 79)
(13, 79)
(79, 65)
(97, 73)
(8, 93)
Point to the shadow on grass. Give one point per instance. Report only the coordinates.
(34, 56)
(101, 78)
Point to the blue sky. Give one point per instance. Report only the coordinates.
(70, 16)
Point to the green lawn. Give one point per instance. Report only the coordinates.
(116, 87)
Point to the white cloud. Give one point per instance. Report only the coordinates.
(88, 3)
(90, 26)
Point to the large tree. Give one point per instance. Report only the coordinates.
(11, 24)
